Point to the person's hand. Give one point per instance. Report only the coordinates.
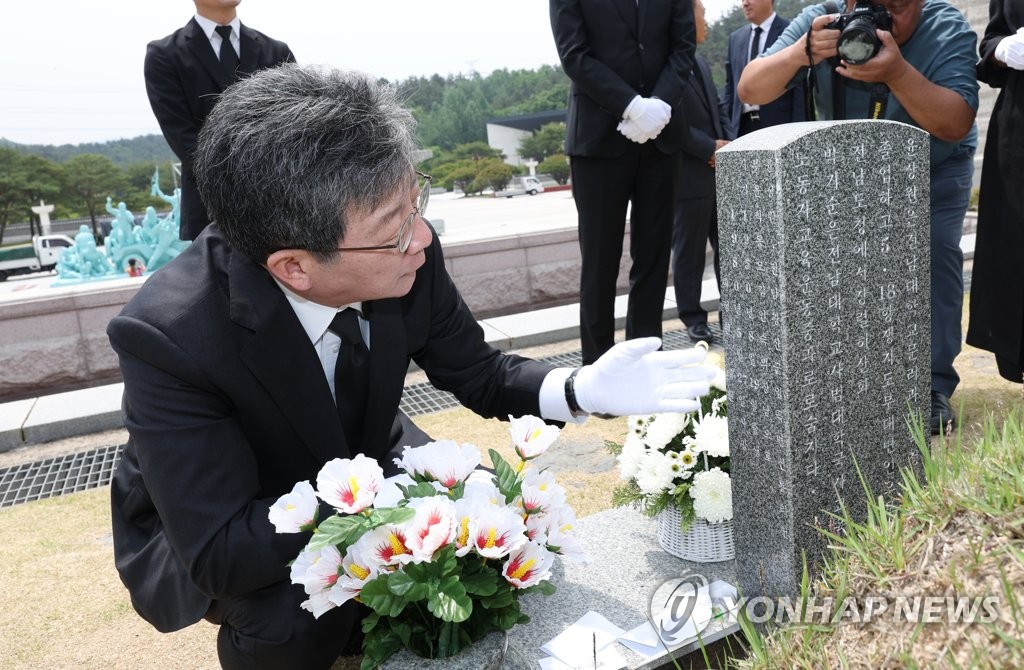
(1010, 50)
(823, 41)
(632, 131)
(649, 114)
(887, 66)
(633, 377)
(718, 145)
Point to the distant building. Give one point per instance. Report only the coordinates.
(505, 134)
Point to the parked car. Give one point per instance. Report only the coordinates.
(521, 186)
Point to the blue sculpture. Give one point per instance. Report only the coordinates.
(84, 260)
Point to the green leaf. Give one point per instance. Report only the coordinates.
(376, 595)
(339, 530)
(509, 617)
(545, 587)
(402, 584)
(503, 598)
(505, 476)
(369, 621)
(421, 490)
(379, 646)
(391, 515)
(450, 603)
(448, 640)
(483, 583)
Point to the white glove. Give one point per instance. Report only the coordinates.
(649, 114)
(633, 377)
(631, 131)
(1010, 50)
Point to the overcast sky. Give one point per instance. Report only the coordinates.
(71, 71)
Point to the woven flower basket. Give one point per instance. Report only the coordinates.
(702, 542)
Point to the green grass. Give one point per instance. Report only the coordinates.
(958, 530)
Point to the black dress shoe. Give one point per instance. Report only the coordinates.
(699, 332)
(942, 415)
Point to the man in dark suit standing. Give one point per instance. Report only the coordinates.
(247, 359)
(185, 73)
(745, 44)
(628, 63)
(696, 218)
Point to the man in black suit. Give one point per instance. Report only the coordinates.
(186, 72)
(696, 219)
(747, 43)
(244, 358)
(628, 63)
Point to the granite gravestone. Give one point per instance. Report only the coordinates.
(824, 232)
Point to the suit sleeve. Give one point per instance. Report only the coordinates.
(598, 81)
(199, 469)
(998, 27)
(681, 54)
(729, 95)
(168, 99)
(457, 358)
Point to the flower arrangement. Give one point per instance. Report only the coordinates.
(441, 553)
(679, 460)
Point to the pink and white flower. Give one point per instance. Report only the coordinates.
(559, 535)
(350, 485)
(387, 545)
(496, 532)
(296, 511)
(433, 527)
(444, 461)
(317, 569)
(528, 565)
(531, 437)
(541, 492)
(357, 567)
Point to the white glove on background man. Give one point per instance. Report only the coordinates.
(649, 114)
(633, 377)
(1010, 50)
(632, 131)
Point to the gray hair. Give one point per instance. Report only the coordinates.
(289, 153)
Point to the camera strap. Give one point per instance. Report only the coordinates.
(879, 99)
(876, 106)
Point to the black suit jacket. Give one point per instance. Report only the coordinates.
(786, 108)
(613, 50)
(227, 407)
(183, 80)
(707, 124)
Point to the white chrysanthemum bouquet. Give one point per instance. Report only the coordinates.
(441, 553)
(679, 460)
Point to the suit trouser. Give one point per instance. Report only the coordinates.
(268, 629)
(696, 224)
(950, 196)
(602, 188)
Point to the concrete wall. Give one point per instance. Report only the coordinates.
(54, 338)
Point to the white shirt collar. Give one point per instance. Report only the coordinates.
(314, 317)
(209, 27)
(766, 24)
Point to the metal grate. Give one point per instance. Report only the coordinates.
(92, 469)
(57, 476)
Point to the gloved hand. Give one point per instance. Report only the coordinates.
(633, 377)
(1010, 50)
(631, 131)
(649, 114)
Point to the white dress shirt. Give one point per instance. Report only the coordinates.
(210, 28)
(762, 38)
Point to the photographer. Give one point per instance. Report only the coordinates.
(922, 74)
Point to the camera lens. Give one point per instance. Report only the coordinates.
(858, 42)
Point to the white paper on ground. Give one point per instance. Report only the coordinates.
(574, 646)
(608, 658)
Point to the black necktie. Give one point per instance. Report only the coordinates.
(351, 376)
(228, 56)
(755, 44)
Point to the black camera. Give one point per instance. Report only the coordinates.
(857, 40)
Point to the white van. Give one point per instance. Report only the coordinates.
(528, 185)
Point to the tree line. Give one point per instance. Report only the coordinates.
(451, 114)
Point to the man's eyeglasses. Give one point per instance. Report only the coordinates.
(405, 231)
